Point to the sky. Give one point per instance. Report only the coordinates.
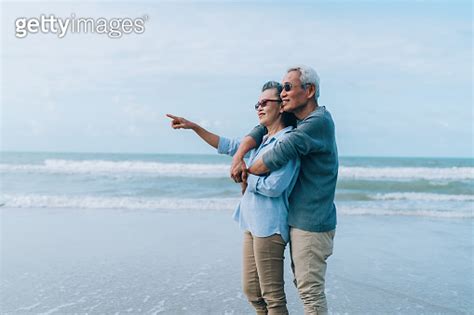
(395, 75)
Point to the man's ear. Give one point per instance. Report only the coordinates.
(310, 91)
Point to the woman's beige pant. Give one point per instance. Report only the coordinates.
(262, 275)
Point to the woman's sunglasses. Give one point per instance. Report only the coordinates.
(263, 103)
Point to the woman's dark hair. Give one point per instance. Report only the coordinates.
(289, 119)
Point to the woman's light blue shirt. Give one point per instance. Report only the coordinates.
(263, 209)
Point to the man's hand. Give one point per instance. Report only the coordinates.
(258, 168)
(238, 169)
(180, 122)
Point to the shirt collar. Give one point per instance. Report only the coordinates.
(277, 135)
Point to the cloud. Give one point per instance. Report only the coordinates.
(211, 124)
(141, 113)
(198, 59)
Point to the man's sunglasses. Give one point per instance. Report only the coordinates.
(263, 103)
(287, 86)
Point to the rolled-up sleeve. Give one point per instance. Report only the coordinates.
(228, 146)
(274, 184)
(312, 135)
(257, 133)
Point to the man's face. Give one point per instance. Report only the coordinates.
(297, 96)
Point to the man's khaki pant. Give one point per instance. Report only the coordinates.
(262, 275)
(309, 251)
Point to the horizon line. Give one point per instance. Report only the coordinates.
(189, 153)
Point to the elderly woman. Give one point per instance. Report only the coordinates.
(263, 210)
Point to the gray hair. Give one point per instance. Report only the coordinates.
(307, 76)
(273, 85)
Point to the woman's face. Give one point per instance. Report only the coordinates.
(269, 109)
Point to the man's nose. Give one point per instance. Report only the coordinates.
(282, 93)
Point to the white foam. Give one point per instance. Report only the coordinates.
(101, 167)
(57, 308)
(410, 213)
(104, 167)
(422, 197)
(92, 202)
(159, 308)
(407, 173)
(28, 308)
(130, 203)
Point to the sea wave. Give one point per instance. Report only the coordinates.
(421, 197)
(103, 167)
(115, 168)
(407, 173)
(137, 203)
(94, 202)
(405, 212)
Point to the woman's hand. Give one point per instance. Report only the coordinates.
(180, 122)
(238, 169)
(243, 185)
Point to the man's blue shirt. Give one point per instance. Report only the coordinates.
(312, 205)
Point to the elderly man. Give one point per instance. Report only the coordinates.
(312, 213)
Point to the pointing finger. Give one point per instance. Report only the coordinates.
(172, 116)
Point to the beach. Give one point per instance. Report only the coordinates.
(103, 233)
(109, 261)
(114, 198)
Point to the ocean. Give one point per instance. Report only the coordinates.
(427, 187)
(153, 234)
